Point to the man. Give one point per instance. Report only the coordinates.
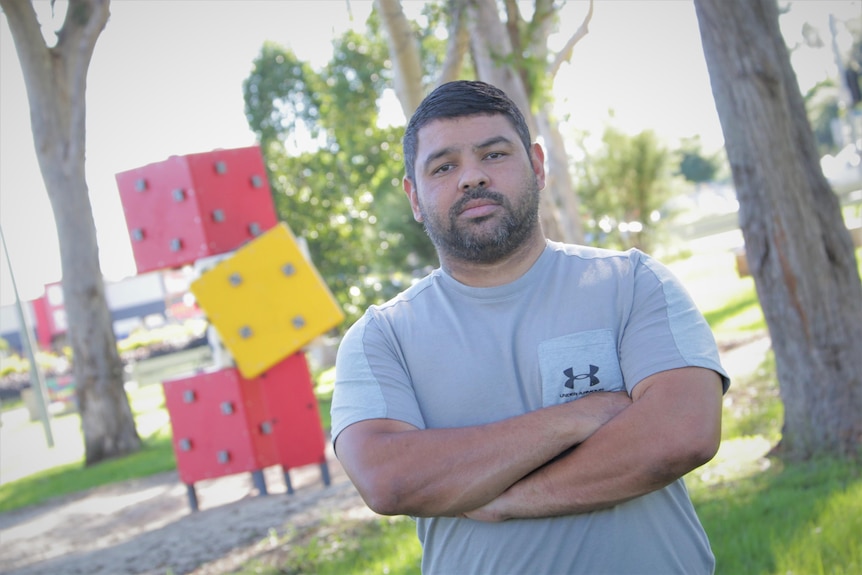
(533, 404)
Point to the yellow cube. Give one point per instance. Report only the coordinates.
(266, 301)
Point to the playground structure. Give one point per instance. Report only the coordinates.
(255, 406)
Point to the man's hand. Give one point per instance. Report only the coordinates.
(603, 407)
(491, 512)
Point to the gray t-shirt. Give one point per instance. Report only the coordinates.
(582, 319)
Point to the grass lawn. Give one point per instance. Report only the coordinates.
(157, 455)
(800, 518)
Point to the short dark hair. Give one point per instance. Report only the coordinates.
(455, 100)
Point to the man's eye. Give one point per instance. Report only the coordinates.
(495, 155)
(442, 169)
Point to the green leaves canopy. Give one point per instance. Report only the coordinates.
(335, 171)
(624, 186)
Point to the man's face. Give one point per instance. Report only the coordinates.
(476, 190)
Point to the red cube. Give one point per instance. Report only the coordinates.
(224, 424)
(193, 206)
(289, 391)
(221, 425)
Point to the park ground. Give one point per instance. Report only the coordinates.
(145, 526)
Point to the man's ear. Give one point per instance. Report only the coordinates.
(412, 195)
(537, 159)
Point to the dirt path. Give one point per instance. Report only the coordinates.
(146, 526)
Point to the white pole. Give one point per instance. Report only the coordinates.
(37, 382)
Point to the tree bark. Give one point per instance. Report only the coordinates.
(563, 194)
(55, 79)
(491, 49)
(458, 44)
(797, 245)
(562, 198)
(404, 51)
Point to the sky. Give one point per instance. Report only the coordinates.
(166, 79)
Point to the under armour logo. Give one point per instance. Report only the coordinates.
(570, 382)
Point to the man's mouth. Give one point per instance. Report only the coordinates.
(479, 208)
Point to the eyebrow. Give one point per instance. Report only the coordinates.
(492, 141)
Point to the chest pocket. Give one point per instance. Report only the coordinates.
(576, 364)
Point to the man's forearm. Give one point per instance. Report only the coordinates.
(444, 472)
(668, 432)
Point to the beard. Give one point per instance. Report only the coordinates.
(482, 240)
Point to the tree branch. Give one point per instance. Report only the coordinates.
(565, 54)
(513, 25)
(85, 20)
(458, 43)
(27, 34)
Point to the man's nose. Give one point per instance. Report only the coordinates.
(473, 176)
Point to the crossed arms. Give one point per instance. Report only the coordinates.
(589, 454)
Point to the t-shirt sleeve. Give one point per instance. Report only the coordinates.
(370, 380)
(665, 329)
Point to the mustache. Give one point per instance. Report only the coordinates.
(478, 193)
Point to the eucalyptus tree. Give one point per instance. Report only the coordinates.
(55, 78)
(798, 248)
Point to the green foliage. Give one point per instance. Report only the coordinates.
(47, 362)
(622, 188)
(340, 192)
(171, 333)
(694, 166)
(14, 363)
(824, 101)
(753, 408)
(822, 106)
(432, 30)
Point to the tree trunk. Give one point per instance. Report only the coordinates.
(562, 198)
(404, 51)
(797, 245)
(561, 187)
(55, 79)
(493, 57)
(491, 49)
(458, 44)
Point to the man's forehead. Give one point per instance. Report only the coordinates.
(464, 131)
(456, 122)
